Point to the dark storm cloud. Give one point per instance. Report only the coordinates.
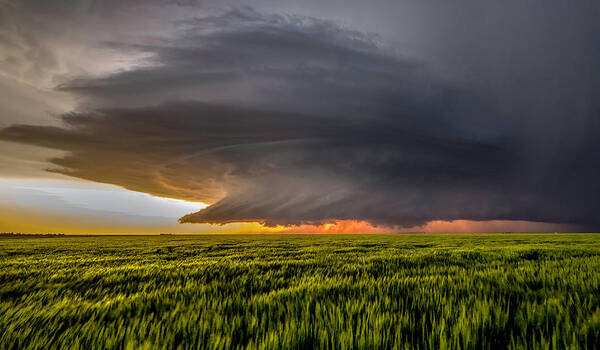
(243, 57)
(291, 119)
(278, 167)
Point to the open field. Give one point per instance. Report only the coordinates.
(301, 291)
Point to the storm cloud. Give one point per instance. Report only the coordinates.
(290, 119)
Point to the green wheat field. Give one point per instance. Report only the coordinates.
(535, 291)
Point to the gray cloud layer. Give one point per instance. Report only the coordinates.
(294, 119)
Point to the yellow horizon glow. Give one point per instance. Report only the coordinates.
(40, 223)
(81, 207)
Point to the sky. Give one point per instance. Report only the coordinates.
(299, 116)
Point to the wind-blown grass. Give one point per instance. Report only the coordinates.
(301, 291)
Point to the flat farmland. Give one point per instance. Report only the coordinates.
(470, 291)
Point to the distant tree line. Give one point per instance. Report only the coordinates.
(32, 235)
